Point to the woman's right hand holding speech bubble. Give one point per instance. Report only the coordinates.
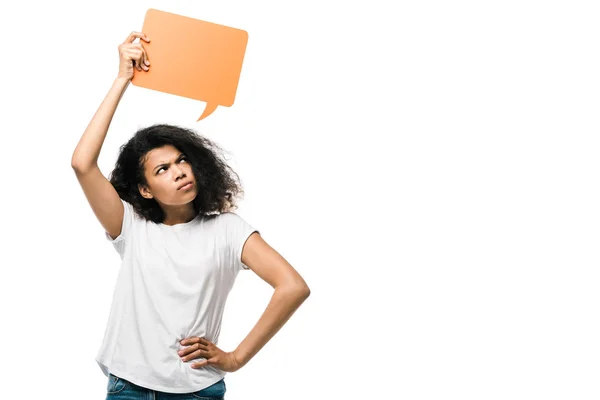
(133, 55)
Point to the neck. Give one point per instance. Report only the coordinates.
(179, 215)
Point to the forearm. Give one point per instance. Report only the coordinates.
(284, 302)
(88, 149)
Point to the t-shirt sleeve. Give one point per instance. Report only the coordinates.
(128, 215)
(237, 232)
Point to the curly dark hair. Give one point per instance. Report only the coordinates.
(218, 184)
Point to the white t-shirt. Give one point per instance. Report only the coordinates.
(172, 284)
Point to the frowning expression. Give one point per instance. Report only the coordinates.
(169, 176)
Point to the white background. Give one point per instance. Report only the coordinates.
(429, 167)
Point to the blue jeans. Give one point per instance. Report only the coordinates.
(121, 389)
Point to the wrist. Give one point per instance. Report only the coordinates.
(122, 81)
(238, 359)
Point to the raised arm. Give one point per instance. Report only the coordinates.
(100, 193)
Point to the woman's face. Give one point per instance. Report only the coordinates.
(166, 170)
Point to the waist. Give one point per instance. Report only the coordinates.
(217, 389)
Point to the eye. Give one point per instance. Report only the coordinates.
(161, 168)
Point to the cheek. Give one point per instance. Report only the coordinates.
(157, 184)
(165, 186)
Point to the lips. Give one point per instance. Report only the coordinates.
(184, 184)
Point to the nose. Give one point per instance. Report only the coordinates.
(178, 172)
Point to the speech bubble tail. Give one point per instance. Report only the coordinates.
(208, 110)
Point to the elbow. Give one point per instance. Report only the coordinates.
(303, 291)
(76, 164)
(296, 290)
(80, 167)
(306, 291)
(76, 160)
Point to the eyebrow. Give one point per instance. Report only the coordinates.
(165, 164)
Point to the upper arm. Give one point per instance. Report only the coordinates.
(269, 265)
(103, 199)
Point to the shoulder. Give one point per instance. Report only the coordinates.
(224, 217)
(230, 223)
(131, 212)
(221, 220)
(229, 216)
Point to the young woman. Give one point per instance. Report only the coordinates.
(168, 211)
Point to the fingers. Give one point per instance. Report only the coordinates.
(136, 51)
(140, 58)
(136, 35)
(194, 347)
(194, 339)
(196, 354)
(135, 57)
(130, 56)
(138, 55)
(145, 60)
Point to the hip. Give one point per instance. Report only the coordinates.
(122, 389)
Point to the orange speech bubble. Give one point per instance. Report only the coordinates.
(192, 58)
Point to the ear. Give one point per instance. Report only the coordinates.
(145, 192)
